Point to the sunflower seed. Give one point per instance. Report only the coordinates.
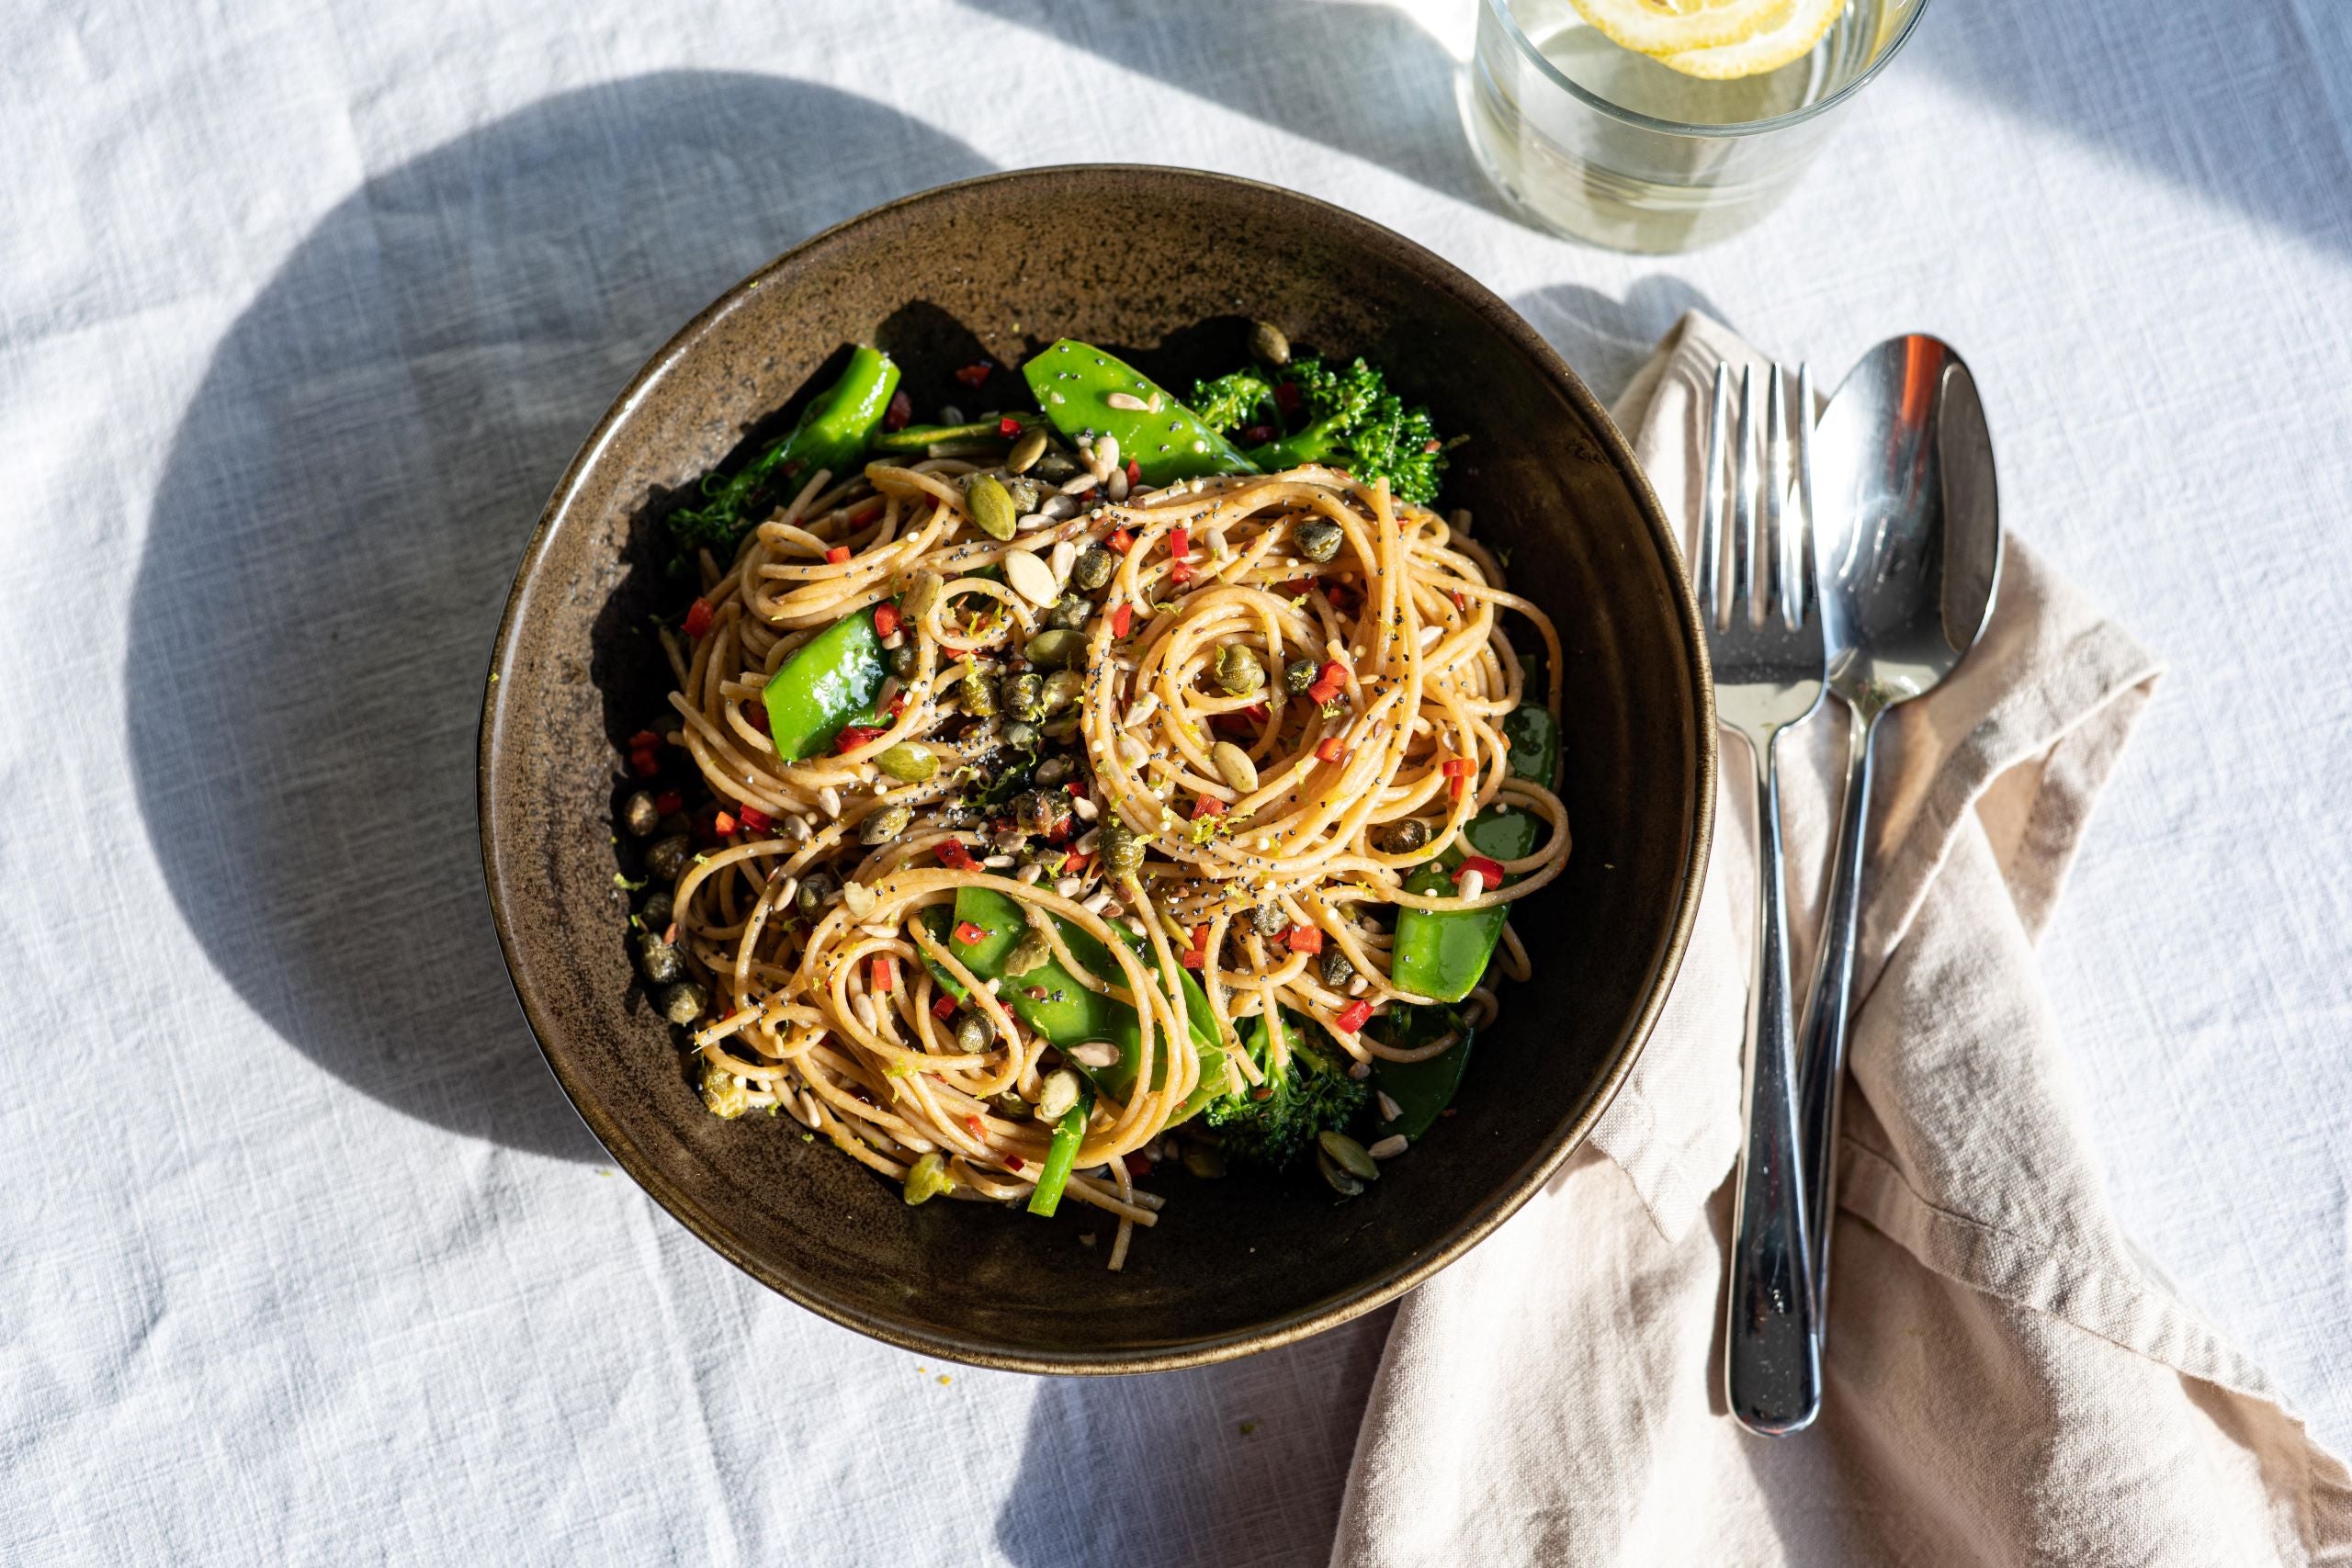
(1031, 578)
(1474, 884)
(1064, 556)
(831, 799)
(1125, 400)
(1389, 1110)
(1094, 1054)
(1027, 450)
(1079, 485)
(1068, 887)
(1389, 1147)
(1233, 766)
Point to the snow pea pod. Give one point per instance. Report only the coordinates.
(916, 437)
(1061, 1155)
(1074, 383)
(1444, 954)
(1049, 999)
(1422, 1089)
(830, 682)
(831, 433)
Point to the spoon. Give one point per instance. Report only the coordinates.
(1909, 552)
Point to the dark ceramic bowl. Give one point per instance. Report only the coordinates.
(1165, 267)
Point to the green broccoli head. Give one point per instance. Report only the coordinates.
(1271, 1125)
(1231, 402)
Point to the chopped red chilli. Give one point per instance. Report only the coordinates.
(668, 803)
(1121, 540)
(882, 975)
(1490, 872)
(972, 375)
(968, 933)
(886, 618)
(1122, 619)
(836, 556)
(956, 857)
(1332, 750)
(899, 412)
(754, 820)
(698, 617)
(1304, 938)
(1008, 427)
(1208, 805)
(1354, 1016)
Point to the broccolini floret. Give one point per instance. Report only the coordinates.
(1271, 1125)
(1350, 420)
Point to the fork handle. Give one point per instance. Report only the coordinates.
(1822, 1062)
(1771, 1359)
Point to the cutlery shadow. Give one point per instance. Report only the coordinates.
(1363, 79)
(340, 516)
(1606, 340)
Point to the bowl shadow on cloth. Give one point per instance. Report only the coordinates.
(340, 516)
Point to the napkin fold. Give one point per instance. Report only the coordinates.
(2005, 1380)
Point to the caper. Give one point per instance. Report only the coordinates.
(1056, 769)
(668, 856)
(1319, 540)
(1024, 695)
(1203, 1161)
(655, 912)
(1349, 1154)
(1027, 450)
(639, 815)
(681, 1003)
(1062, 689)
(1266, 341)
(1336, 708)
(1092, 568)
(1233, 766)
(1122, 848)
(909, 762)
(1009, 1103)
(927, 1177)
(1337, 970)
(1043, 811)
(1054, 467)
(1299, 674)
(974, 1032)
(1055, 649)
(1058, 1095)
(1021, 735)
(922, 593)
(1270, 918)
(1071, 612)
(659, 960)
(885, 825)
(1239, 673)
(1024, 494)
(1341, 1181)
(978, 693)
(1403, 838)
(1030, 953)
(816, 890)
(902, 660)
(991, 507)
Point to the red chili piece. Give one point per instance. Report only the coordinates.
(1329, 682)
(1286, 397)
(1304, 938)
(1135, 473)
(886, 618)
(723, 823)
(838, 555)
(853, 736)
(955, 856)
(1489, 872)
(1138, 1166)
(1122, 619)
(1008, 427)
(882, 975)
(754, 820)
(645, 764)
(968, 933)
(943, 1008)
(1208, 805)
(669, 802)
(1121, 540)
(1257, 434)
(698, 617)
(1332, 750)
(1354, 1016)
(972, 375)
(899, 412)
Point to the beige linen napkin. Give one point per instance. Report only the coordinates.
(2006, 1381)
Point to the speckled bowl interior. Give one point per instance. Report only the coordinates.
(1165, 267)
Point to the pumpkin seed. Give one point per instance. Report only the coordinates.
(1266, 341)
(1027, 450)
(1349, 1154)
(1030, 953)
(1319, 540)
(1239, 673)
(1058, 1095)
(1063, 688)
(1055, 647)
(926, 1179)
(1342, 1182)
(1029, 576)
(992, 507)
(909, 762)
(1233, 766)
(885, 825)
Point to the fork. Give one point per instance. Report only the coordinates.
(1765, 640)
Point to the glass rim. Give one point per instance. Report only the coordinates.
(1526, 45)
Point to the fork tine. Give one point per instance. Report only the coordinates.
(1707, 580)
(1745, 600)
(1781, 596)
(1808, 541)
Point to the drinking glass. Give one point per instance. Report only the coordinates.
(1593, 141)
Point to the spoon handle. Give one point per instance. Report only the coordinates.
(1771, 1355)
(1822, 1065)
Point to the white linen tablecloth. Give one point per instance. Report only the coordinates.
(302, 1258)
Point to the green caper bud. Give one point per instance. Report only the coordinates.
(1054, 467)
(885, 825)
(639, 815)
(991, 507)
(656, 911)
(1403, 838)
(681, 1003)
(909, 762)
(1270, 918)
(1046, 811)
(668, 856)
(1056, 769)
(1349, 1154)
(973, 1032)
(722, 1092)
(902, 660)
(1024, 695)
(1010, 1104)
(1341, 1180)
(1027, 450)
(1054, 649)
(1239, 673)
(1030, 953)
(1122, 848)
(1024, 495)
(1062, 689)
(978, 694)
(922, 592)
(659, 960)
(1336, 708)
(1267, 343)
(1337, 970)
(927, 1177)
(1319, 540)
(1299, 674)
(1021, 735)
(1092, 568)
(817, 889)
(1071, 612)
